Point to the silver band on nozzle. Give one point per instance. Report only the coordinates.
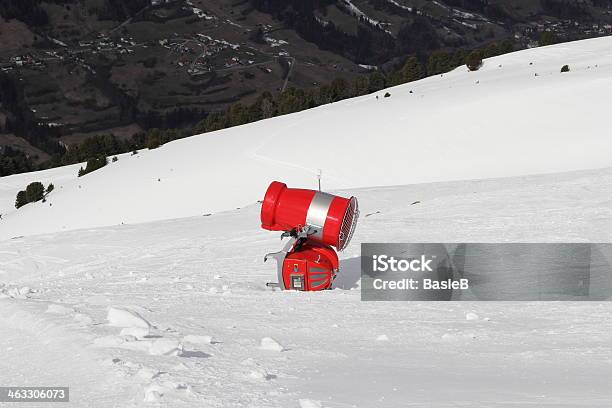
(317, 213)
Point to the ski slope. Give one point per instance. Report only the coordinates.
(10, 185)
(143, 285)
(500, 121)
(199, 282)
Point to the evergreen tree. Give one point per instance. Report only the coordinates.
(506, 46)
(238, 114)
(310, 99)
(438, 63)
(254, 111)
(395, 78)
(93, 164)
(412, 70)
(292, 100)
(547, 38)
(214, 121)
(154, 139)
(474, 60)
(34, 192)
(21, 199)
(491, 51)
(377, 81)
(339, 89)
(106, 145)
(268, 108)
(14, 161)
(458, 58)
(325, 95)
(50, 188)
(288, 103)
(360, 86)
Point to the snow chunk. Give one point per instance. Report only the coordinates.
(15, 293)
(83, 319)
(191, 338)
(458, 336)
(471, 316)
(120, 317)
(165, 347)
(25, 290)
(308, 403)
(153, 393)
(59, 309)
(137, 332)
(382, 337)
(147, 373)
(268, 343)
(260, 374)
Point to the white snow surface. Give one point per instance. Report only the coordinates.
(555, 354)
(122, 317)
(268, 343)
(500, 121)
(193, 279)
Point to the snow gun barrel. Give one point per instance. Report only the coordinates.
(329, 219)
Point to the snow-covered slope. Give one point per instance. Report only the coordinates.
(10, 185)
(175, 313)
(517, 115)
(200, 282)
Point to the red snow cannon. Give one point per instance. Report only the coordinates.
(315, 222)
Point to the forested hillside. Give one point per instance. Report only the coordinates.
(147, 71)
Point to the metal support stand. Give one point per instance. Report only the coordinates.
(280, 256)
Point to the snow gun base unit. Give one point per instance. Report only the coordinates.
(315, 223)
(304, 265)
